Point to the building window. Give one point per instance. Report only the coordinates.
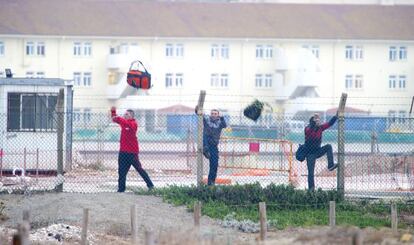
(225, 51)
(87, 79)
(313, 48)
(123, 48)
(354, 81)
(402, 116)
(392, 53)
(258, 80)
(29, 74)
(268, 80)
(359, 53)
(214, 80)
(348, 81)
(397, 82)
(215, 51)
(40, 48)
(87, 115)
(174, 80)
(76, 116)
(82, 49)
(30, 48)
(220, 51)
(31, 112)
(402, 81)
(349, 52)
(82, 79)
(87, 49)
(179, 50)
(264, 80)
(219, 80)
(33, 48)
(259, 51)
(391, 116)
(32, 74)
(269, 51)
(264, 51)
(77, 47)
(359, 80)
(354, 52)
(1, 74)
(169, 50)
(403, 53)
(179, 80)
(1, 48)
(77, 78)
(168, 80)
(392, 81)
(224, 80)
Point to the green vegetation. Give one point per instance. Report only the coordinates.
(286, 206)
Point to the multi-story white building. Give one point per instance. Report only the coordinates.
(296, 57)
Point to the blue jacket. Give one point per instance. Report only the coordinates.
(212, 129)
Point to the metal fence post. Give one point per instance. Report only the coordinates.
(200, 105)
(341, 147)
(410, 115)
(60, 129)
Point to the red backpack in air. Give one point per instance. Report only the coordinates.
(137, 78)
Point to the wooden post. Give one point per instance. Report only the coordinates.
(134, 224)
(149, 238)
(60, 129)
(200, 105)
(26, 215)
(23, 232)
(332, 214)
(197, 213)
(84, 236)
(394, 219)
(263, 220)
(357, 238)
(341, 147)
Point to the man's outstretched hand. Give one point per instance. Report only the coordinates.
(113, 111)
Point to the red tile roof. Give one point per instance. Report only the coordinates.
(140, 18)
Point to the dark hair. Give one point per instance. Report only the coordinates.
(312, 122)
(131, 112)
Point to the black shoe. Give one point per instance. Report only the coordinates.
(333, 167)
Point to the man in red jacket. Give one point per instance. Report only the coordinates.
(129, 149)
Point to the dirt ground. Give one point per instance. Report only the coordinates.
(109, 223)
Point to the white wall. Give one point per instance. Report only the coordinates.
(197, 66)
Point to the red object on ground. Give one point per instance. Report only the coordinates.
(254, 147)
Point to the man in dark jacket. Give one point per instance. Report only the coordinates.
(313, 140)
(129, 149)
(212, 127)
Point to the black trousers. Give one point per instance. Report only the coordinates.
(310, 160)
(125, 160)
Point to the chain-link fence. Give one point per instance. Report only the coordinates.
(379, 154)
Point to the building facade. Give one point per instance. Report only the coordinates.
(298, 63)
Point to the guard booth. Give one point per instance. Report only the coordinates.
(28, 125)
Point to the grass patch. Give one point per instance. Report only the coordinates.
(286, 206)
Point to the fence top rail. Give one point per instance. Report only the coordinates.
(257, 139)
